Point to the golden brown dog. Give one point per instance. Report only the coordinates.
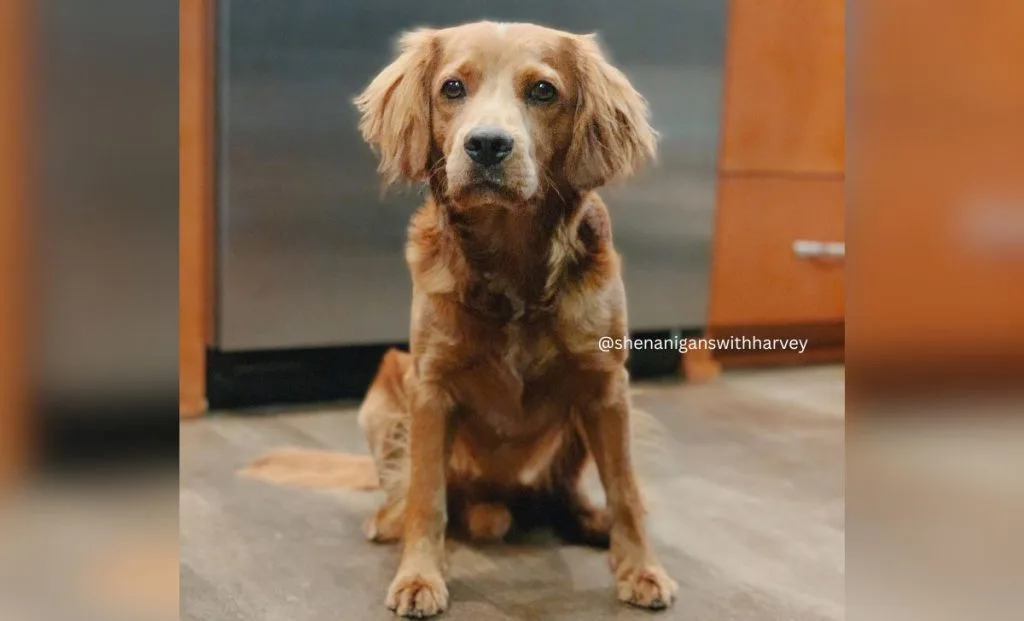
(505, 395)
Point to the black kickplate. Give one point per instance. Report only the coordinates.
(293, 376)
(290, 376)
(112, 435)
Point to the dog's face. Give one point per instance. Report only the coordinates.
(504, 114)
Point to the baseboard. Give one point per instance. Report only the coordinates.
(248, 379)
(83, 436)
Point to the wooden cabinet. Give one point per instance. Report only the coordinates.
(757, 278)
(784, 98)
(16, 196)
(939, 195)
(781, 176)
(196, 169)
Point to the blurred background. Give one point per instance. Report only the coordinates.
(205, 152)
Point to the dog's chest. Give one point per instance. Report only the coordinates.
(524, 379)
(512, 386)
(530, 351)
(538, 339)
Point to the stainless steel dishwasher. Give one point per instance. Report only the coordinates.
(308, 253)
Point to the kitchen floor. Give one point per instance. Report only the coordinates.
(743, 477)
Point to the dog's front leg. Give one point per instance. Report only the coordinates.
(419, 588)
(641, 580)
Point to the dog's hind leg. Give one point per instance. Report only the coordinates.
(384, 418)
(572, 514)
(487, 521)
(578, 521)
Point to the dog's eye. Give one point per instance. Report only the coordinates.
(453, 89)
(542, 91)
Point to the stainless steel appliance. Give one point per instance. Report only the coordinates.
(310, 256)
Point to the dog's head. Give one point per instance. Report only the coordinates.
(504, 114)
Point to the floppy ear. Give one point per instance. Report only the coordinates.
(395, 110)
(612, 136)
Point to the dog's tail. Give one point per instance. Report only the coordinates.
(318, 469)
(314, 469)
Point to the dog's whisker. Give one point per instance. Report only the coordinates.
(546, 175)
(437, 167)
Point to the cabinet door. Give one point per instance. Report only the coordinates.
(784, 87)
(937, 202)
(759, 276)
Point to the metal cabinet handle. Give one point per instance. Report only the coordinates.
(808, 249)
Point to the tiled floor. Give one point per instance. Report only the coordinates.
(744, 483)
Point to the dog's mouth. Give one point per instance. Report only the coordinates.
(488, 186)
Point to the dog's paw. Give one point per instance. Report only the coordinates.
(381, 530)
(488, 521)
(418, 596)
(595, 527)
(647, 587)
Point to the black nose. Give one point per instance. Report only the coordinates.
(488, 146)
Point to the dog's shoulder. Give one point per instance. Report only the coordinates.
(595, 221)
(585, 248)
(434, 267)
(592, 303)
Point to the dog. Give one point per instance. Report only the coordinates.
(504, 396)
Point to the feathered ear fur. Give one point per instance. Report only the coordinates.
(395, 110)
(612, 136)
